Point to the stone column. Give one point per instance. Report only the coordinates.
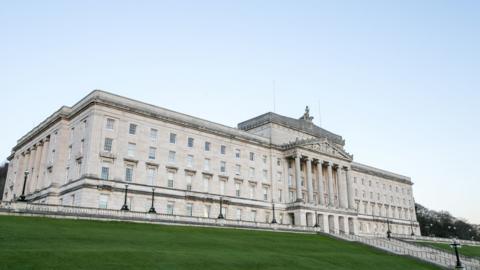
(31, 163)
(22, 165)
(38, 158)
(43, 163)
(350, 193)
(298, 173)
(341, 188)
(331, 192)
(321, 192)
(309, 180)
(33, 174)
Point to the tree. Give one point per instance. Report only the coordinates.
(443, 224)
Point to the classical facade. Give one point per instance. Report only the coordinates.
(87, 154)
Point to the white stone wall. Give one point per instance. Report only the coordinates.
(72, 176)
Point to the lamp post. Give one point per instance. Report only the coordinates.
(125, 206)
(388, 230)
(411, 226)
(456, 245)
(274, 221)
(316, 220)
(152, 209)
(220, 216)
(22, 197)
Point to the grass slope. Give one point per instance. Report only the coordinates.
(42, 243)
(470, 251)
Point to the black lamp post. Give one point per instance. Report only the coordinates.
(220, 216)
(22, 197)
(388, 230)
(411, 226)
(152, 209)
(456, 245)
(316, 220)
(125, 206)
(274, 221)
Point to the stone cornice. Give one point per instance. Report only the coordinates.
(296, 124)
(381, 173)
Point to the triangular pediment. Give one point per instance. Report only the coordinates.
(322, 146)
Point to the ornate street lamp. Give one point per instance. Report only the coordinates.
(456, 245)
(316, 220)
(389, 233)
(152, 209)
(220, 216)
(22, 197)
(125, 206)
(274, 221)
(411, 226)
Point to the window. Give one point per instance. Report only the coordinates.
(170, 208)
(67, 174)
(206, 164)
(70, 152)
(237, 153)
(132, 129)
(223, 167)
(171, 156)
(110, 124)
(151, 176)
(206, 184)
(290, 180)
(252, 172)
(279, 195)
(252, 156)
(170, 178)
(222, 187)
(291, 196)
(105, 172)
(279, 176)
(267, 217)
(152, 152)
(223, 149)
(279, 161)
(252, 191)
(224, 211)
(239, 214)
(254, 215)
(265, 194)
(131, 149)
(103, 202)
(237, 189)
(153, 134)
(107, 146)
(129, 173)
(265, 175)
(264, 159)
(238, 169)
(190, 161)
(173, 138)
(188, 180)
(206, 211)
(207, 146)
(190, 142)
(189, 209)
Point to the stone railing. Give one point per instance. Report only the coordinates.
(431, 255)
(22, 208)
(435, 239)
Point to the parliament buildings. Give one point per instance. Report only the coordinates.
(87, 154)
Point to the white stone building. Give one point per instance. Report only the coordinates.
(85, 155)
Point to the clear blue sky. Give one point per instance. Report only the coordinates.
(398, 79)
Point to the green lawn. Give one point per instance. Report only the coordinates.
(470, 251)
(41, 243)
